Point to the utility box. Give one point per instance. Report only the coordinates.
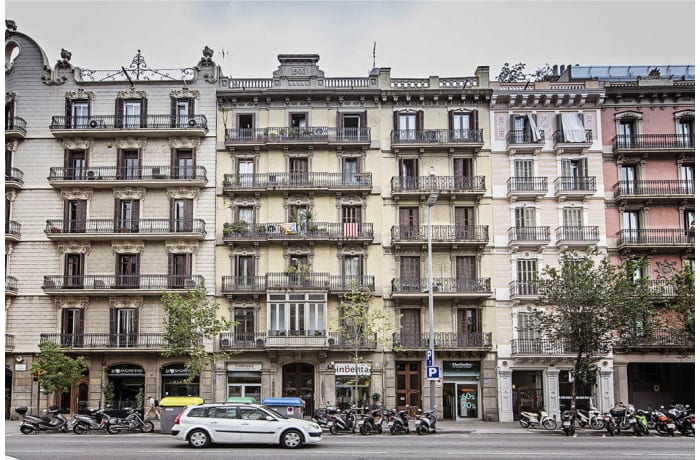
(171, 406)
(291, 407)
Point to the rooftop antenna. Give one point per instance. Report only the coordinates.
(374, 55)
(224, 54)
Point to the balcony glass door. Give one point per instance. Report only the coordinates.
(687, 174)
(81, 114)
(630, 226)
(128, 271)
(245, 271)
(126, 327)
(461, 124)
(407, 126)
(132, 114)
(245, 173)
(628, 177)
(526, 273)
(74, 271)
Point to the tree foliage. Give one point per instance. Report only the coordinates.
(56, 371)
(589, 300)
(683, 300)
(517, 73)
(189, 320)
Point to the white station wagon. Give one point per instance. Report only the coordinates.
(242, 424)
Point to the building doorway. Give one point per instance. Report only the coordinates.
(408, 385)
(8, 391)
(527, 392)
(298, 381)
(75, 399)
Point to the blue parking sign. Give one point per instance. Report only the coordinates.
(433, 372)
(429, 358)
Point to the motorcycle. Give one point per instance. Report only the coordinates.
(321, 416)
(683, 418)
(96, 421)
(591, 418)
(398, 422)
(35, 424)
(425, 421)
(528, 419)
(345, 421)
(371, 421)
(567, 426)
(609, 424)
(624, 418)
(132, 422)
(663, 424)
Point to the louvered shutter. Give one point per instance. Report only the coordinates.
(363, 119)
(69, 113)
(419, 120)
(451, 120)
(144, 112)
(474, 120)
(119, 113)
(173, 112)
(80, 329)
(113, 327)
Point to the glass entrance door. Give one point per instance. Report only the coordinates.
(467, 400)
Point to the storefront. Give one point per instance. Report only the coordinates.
(124, 381)
(460, 390)
(352, 384)
(244, 379)
(173, 382)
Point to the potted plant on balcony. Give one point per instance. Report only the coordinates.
(239, 227)
(55, 229)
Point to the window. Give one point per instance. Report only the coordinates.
(351, 171)
(626, 132)
(570, 125)
(525, 217)
(127, 219)
(181, 213)
(410, 273)
(408, 173)
(688, 219)
(351, 126)
(469, 327)
(463, 173)
(245, 328)
(572, 219)
(132, 114)
(298, 171)
(244, 170)
(523, 129)
(74, 219)
(297, 120)
(245, 122)
(76, 164)
(127, 270)
(407, 126)
(687, 174)
(465, 228)
(182, 111)
(297, 314)
(686, 131)
(183, 164)
(72, 326)
(408, 223)
(628, 179)
(630, 226)
(526, 275)
(465, 273)
(352, 271)
(73, 271)
(179, 270)
(10, 107)
(245, 271)
(124, 325)
(411, 328)
(129, 163)
(528, 328)
(461, 124)
(80, 112)
(246, 215)
(574, 174)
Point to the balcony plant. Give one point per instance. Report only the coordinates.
(239, 227)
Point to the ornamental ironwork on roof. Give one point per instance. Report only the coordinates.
(138, 70)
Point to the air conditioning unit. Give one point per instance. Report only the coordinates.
(91, 174)
(192, 123)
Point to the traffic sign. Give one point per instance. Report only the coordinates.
(429, 358)
(433, 372)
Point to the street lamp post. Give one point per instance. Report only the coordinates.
(432, 199)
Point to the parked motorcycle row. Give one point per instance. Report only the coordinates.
(372, 420)
(97, 420)
(678, 418)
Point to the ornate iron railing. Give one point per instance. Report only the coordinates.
(296, 180)
(527, 184)
(438, 184)
(528, 234)
(241, 340)
(443, 340)
(653, 141)
(524, 137)
(524, 288)
(16, 124)
(662, 287)
(658, 188)
(13, 228)
(656, 338)
(437, 136)
(574, 184)
(582, 233)
(114, 173)
(560, 137)
(10, 284)
(100, 340)
(440, 233)
(306, 230)
(540, 347)
(9, 341)
(142, 226)
(144, 282)
(14, 175)
(655, 236)
(343, 341)
(102, 122)
(260, 283)
(275, 135)
(441, 285)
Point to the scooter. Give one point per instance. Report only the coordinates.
(321, 416)
(567, 426)
(425, 421)
(592, 418)
(663, 424)
(624, 418)
(684, 419)
(345, 421)
(96, 421)
(35, 424)
(371, 421)
(528, 419)
(609, 424)
(398, 422)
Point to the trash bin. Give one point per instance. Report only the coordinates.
(291, 407)
(171, 406)
(241, 399)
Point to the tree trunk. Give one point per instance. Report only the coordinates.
(573, 392)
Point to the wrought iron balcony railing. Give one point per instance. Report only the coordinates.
(316, 338)
(654, 236)
(656, 338)
(14, 175)
(100, 282)
(299, 280)
(662, 287)
(13, 228)
(9, 342)
(16, 124)
(296, 180)
(653, 141)
(333, 340)
(524, 137)
(343, 341)
(527, 185)
(311, 134)
(574, 184)
(524, 288)
(239, 340)
(582, 233)
(438, 184)
(654, 188)
(540, 347)
(128, 174)
(308, 230)
(520, 234)
(580, 137)
(437, 136)
(105, 122)
(440, 233)
(98, 340)
(10, 284)
(441, 285)
(443, 340)
(140, 226)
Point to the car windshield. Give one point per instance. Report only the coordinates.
(275, 413)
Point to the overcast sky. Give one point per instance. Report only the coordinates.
(415, 39)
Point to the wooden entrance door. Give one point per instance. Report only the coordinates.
(75, 400)
(298, 381)
(408, 385)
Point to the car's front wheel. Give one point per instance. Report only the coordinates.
(198, 438)
(292, 439)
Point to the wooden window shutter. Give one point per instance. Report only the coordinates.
(119, 113)
(339, 121)
(363, 119)
(136, 322)
(69, 112)
(144, 112)
(419, 120)
(458, 167)
(512, 122)
(474, 120)
(173, 111)
(584, 167)
(64, 321)
(190, 107)
(559, 125)
(81, 326)
(451, 120)
(113, 326)
(396, 121)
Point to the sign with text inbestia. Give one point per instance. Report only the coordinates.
(349, 369)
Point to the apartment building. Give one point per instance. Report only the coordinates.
(548, 197)
(110, 196)
(648, 125)
(326, 183)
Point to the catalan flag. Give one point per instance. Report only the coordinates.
(290, 228)
(350, 230)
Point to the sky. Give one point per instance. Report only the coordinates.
(415, 39)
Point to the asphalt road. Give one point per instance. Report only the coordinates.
(57, 446)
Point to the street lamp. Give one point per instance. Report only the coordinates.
(432, 199)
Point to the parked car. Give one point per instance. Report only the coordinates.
(205, 424)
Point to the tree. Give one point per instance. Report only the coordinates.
(589, 299)
(514, 74)
(683, 300)
(57, 372)
(545, 73)
(190, 319)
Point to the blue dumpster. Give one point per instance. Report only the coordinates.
(291, 407)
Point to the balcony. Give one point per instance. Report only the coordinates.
(526, 290)
(669, 143)
(104, 341)
(657, 190)
(526, 188)
(259, 341)
(15, 128)
(524, 141)
(10, 285)
(339, 341)
(440, 234)
(572, 141)
(259, 284)
(13, 230)
(540, 347)
(423, 185)
(653, 238)
(443, 340)
(14, 179)
(282, 181)
(113, 176)
(297, 339)
(118, 284)
(311, 135)
(109, 229)
(9, 342)
(528, 236)
(656, 339)
(662, 287)
(426, 138)
(291, 231)
(577, 236)
(106, 126)
(574, 187)
(442, 287)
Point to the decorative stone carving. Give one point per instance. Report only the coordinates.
(78, 143)
(207, 54)
(64, 62)
(243, 303)
(132, 143)
(11, 146)
(666, 270)
(74, 248)
(181, 247)
(176, 193)
(127, 247)
(126, 302)
(80, 94)
(501, 126)
(183, 142)
(10, 96)
(10, 196)
(129, 193)
(76, 194)
(185, 93)
(72, 302)
(131, 93)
